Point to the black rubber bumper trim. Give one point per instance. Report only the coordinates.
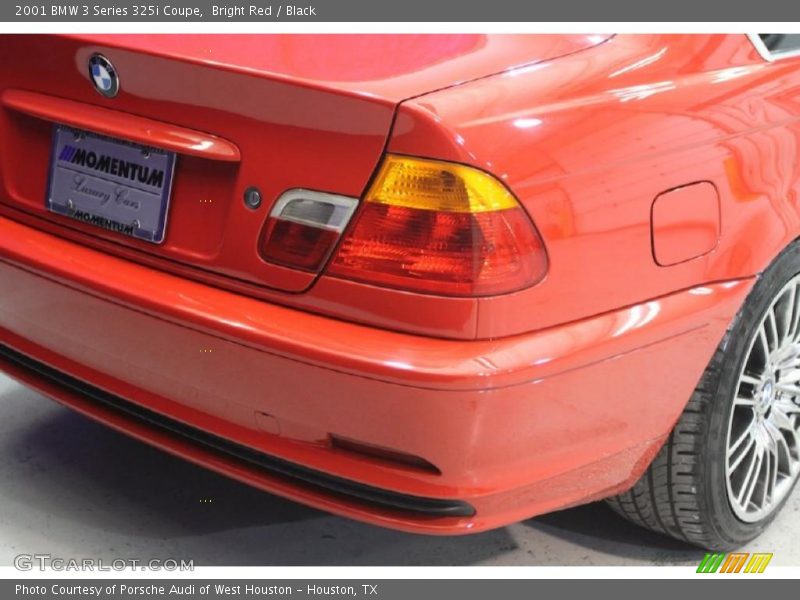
(416, 505)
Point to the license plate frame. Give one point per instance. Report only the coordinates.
(110, 183)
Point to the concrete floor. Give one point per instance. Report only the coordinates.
(72, 488)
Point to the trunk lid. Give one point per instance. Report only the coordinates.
(391, 67)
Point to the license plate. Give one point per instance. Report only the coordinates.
(113, 184)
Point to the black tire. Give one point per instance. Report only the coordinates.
(683, 493)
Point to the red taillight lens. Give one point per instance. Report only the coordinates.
(297, 245)
(441, 228)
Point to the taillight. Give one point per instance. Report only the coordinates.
(303, 228)
(441, 228)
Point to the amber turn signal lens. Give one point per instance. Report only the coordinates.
(441, 228)
(439, 186)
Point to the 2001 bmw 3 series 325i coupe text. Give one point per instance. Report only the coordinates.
(436, 283)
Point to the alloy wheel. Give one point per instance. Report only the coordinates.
(763, 441)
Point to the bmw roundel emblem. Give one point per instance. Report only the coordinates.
(103, 75)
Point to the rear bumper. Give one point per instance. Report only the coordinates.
(515, 427)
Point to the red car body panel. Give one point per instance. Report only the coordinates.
(515, 404)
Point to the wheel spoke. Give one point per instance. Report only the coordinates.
(786, 357)
(735, 462)
(790, 376)
(762, 337)
(791, 315)
(787, 406)
(781, 419)
(743, 437)
(781, 446)
(783, 422)
(788, 389)
(772, 480)
(795, 323)
(750, 379)
(773, 327)
(765, 476)
(751, 478)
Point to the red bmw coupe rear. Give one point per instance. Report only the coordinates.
(437, 283)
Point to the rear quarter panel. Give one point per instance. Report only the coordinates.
(588, 141)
